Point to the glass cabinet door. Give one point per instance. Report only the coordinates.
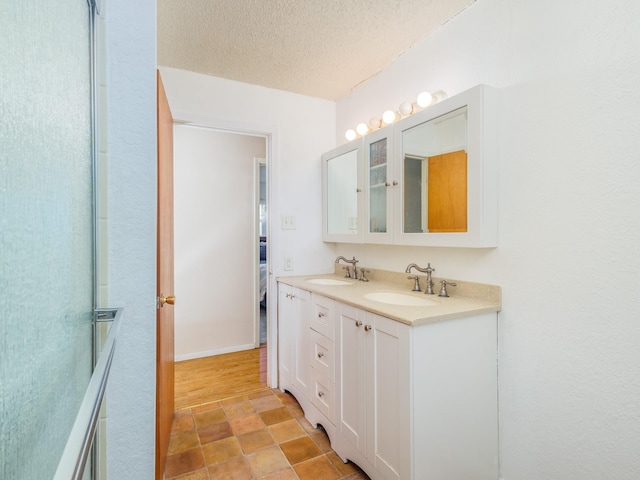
(379, 186)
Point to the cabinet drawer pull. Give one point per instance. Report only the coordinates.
(321, 394)
(358, 323)
(321, 314)
(320, 354)
(367, 328)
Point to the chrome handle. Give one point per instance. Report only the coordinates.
(387, 184)
(358, 190)
(321, 314)
(321, 394)
(358, 323)
(320, 354)
(395, 182)
(367, 328)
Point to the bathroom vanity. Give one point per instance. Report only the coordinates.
(405, 384)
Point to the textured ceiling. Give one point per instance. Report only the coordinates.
(321, 48)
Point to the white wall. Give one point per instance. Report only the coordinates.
(131, 137)
(568, 256)
(299, 130)
(216, 237)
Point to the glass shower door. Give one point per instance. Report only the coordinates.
(46, 230)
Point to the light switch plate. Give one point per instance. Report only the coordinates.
(288, 222)
(288, 264)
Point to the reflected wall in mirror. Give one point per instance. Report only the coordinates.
(435, 175)
(342, 194)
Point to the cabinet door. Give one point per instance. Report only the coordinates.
(387, 376)
(301, 300)
(379, 185)
(342, 194)
(445, 163)
(352, 386)
(286, 336)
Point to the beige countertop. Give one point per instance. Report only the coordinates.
(465, 300)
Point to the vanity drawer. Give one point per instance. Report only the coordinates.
(323, 392)
(323, 355)
(323, 315)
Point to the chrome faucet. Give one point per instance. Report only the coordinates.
(416, 287)
(353, 262)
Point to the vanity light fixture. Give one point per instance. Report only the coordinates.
(424, 100)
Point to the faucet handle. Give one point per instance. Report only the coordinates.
(416, 285)
(443, 288)
(362, 272)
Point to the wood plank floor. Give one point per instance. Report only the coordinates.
(210, 379)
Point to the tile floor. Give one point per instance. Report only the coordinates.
(262, 436)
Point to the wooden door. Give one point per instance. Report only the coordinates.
(447, 192)
(164, 316)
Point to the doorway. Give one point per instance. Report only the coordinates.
(217, 232)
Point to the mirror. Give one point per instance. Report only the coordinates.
(342, 194)
(434, 195)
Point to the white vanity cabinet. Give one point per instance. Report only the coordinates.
(417, 402)
(294, 312)
(403, 401)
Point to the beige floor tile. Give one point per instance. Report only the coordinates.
(267, 461)
(236, 469)
(208, 417)
(286, 474)
(300, 449)
(246, 424)
(238, 410)
(319, 468)
(214, 432)
(266, 403)
(277, 415)
(184, 462)
(181, 441)
(256, 440)
(285, 431)
(221, 451)
(197, 475)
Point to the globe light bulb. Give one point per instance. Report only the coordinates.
(362, 129)
(389, 117)
(405, 109)
(424, 99)
(350, 134)
(374, 122)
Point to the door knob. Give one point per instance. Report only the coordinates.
(170, 299)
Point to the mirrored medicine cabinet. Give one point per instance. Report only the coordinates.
(430, 179)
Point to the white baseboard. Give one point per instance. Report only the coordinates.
(209, 353)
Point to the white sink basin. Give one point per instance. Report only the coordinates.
(327, 281)
(397, 298)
